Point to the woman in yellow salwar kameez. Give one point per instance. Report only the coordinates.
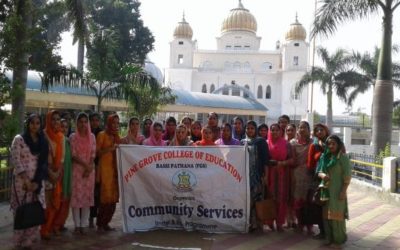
(335, 171)
(106, 143)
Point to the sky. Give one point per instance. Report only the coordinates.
(273, 20)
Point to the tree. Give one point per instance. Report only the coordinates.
(29, 38)
(124, 19)
(106, 78)
(334, 12)
(16, 37)
(367, 64)
(145, 102)
(115, 52)
(396, 116)
(104, 71)
(335, 76)
(77, 13)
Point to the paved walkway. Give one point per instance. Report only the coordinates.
(373, 224)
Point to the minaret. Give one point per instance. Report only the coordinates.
(295, 48)
(182, 46)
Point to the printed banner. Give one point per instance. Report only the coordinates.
(191, 188)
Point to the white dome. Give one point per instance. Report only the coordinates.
(154, 71)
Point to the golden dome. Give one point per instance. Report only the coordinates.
(296, 32)
(183, 30)
(239, 19)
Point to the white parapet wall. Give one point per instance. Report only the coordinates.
(389, 173)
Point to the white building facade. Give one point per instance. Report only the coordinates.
(238, 64)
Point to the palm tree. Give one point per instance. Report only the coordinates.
(77, 14)
(145, 102)
(335, 76)
(334, 12)
(20, 65)
(368, 67)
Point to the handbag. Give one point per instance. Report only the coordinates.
(316, 198)
(28, 215)
(266, 208)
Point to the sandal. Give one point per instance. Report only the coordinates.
(107, 228)
(77, 231)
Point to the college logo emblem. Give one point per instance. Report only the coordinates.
(184, 181)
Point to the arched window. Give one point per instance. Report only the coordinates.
(268, 92)
(204, 88)
(247, 67)
(237, 66)
(227, 66)
(246, 95)
(266, 66)
(207, 65)
(259, 92)
(235, 90)
(225, 90)
(212, 88)
(294, 95)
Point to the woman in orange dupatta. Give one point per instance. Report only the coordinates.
(55, 169)
(207, 137)
(106, 143)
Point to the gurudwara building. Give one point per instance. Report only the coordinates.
(238, 67)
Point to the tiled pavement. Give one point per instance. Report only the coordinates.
(373, 224)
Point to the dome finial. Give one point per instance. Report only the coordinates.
(183, 29)
(296, 31)
(240, 6)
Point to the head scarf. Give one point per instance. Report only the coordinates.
(57, 138)
(39, 148)
(300, 140)
(193, 137)
(324, 127)
(251, 139)
(175, 141)
(152, 141)
(133, 138)
(328, 160)
(232, 141)
(242, 132)
(110, 130)
(262, 125)
(277, 146)
(146, 134)
(203, 141)
(83, 143)
(169, 135)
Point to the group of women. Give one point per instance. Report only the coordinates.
(78, 170)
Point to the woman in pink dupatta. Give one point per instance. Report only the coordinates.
(83, 149)
(133, 137)
(155, 138)
(278, 174)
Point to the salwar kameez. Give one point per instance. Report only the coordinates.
(335, 211)
(301, 180)
(24, 162)
(54, 186)
(258, 159)
(108, 179)
(62, 216)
